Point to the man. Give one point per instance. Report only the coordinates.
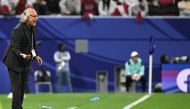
(70, 7)
(134, 71)
(53, 6)
(184, 7)
(42, 75)
(20, 52)
(106, 7)
(89, 7)
(41, 7)
(62, 58)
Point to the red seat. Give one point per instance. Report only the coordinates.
(165, 2)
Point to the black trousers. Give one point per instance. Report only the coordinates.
(18, 85)
(129, 81)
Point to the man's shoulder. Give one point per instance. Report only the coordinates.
(19, 26)
(139, 59)
(57, 52)
(66, 51)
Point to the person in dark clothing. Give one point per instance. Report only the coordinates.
(164, 59)
(53, 6)
(41, 7)
(20, 7)
(43, 75)
(20, 52)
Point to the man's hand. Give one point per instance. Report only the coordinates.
(39, 60)
(136, 77)
(25, 56)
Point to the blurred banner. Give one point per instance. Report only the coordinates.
(176, 78)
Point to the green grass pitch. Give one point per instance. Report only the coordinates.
(107, 101)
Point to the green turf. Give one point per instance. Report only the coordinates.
(107, 101)
(64, 101)
(1, 105)
(166, 101)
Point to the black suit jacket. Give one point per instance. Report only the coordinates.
(21, 42)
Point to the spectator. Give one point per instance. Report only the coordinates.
(106, 7)
(120, 9)
(43, 75)
(40, 7)
(62, 58)
(153, 2)
(53, 7)
(97, 1)
(70, 7)
(13, 4)
(164, 59)
(163, 7)
(20, 7)
(29, 3)
(134, 71)
(137, 6)
(184, 7)
(5, 7)
(89, 7)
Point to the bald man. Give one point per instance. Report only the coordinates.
(20, 52)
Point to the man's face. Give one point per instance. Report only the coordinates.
(62, 48)
(135, 59)
(33, 17)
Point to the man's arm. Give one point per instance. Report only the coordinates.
(100, 9)
(56, 57)
(35, 46)
(67, 57)
(78, 7)
(16, 41)
(127, 69)
(63, 8)
(142, 69)
(37, 57)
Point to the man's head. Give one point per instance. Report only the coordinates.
(29, 16)
(134, 56)
(164, 59)
(61, 47)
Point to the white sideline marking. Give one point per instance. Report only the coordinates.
(28, 107)
(72, 108)
(133, 104)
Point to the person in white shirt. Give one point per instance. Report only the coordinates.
(136, 6)
(62, 58)
(184, 7)
(30, 3)
(122, 7)
(70, 7)
(106, 7)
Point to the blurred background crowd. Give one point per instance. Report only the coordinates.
(98, 7)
